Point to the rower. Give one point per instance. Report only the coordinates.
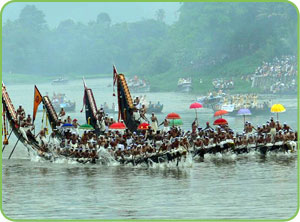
(198, 143)
(286, 127)
(62, 114)
(251, 140)
(278, 126)
(101, 124)
(143, 112)
(20, 110)
(75, 123)
(268, 139)
(208, 127)
(194, 126)
(250, 128)
(137, 101)
(273, 128)
(111, 121)
(154, 123)
(100, 112)
(42, 137)
(69, 120)
(136, 115)
(23, 127)
(29, 120)
(166, 125)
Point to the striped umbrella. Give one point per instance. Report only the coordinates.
(176, 122)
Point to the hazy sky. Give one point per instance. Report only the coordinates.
(84, 12)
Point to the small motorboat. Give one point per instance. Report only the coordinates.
(185, 84)
(60, 81)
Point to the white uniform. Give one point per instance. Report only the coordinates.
(154, 126)
(166, 128)
(136, 116)
(23, 130)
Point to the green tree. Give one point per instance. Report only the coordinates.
(160, 15)
(104, 19)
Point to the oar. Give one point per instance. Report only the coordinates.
(7, 139)
(14, 147)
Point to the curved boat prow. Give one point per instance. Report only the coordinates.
(52, 115)
(27, 138)
(9, 107)
(90, 108)
(125, 103)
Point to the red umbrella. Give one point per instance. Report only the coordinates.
(143, 126)
(173, 116)
(220, 122)
(221, 113)
(117, 125)
(196, 106)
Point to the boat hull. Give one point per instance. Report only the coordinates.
(186, 88)
(262, 149)
(59, 82)
(254, 112)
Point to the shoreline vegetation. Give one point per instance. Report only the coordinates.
(167, 82)
(209, 40)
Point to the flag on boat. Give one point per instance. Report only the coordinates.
(115, 76)
(84, 84)
(37, 100)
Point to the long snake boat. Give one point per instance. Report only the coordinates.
(101, 155)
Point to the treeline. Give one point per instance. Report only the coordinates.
(208, 39)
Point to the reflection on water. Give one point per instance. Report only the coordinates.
(228, 186)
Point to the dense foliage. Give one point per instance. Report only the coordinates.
(209, 39)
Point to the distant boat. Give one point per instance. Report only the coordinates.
(155, 108)
(137, 85)
(232, 110)
(209, 101)
(185, 84)
(59, 81)
(60, 101)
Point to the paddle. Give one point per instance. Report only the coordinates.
(14, 147)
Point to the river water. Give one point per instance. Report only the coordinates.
(221, 187)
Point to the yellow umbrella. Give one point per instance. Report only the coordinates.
(277, 108)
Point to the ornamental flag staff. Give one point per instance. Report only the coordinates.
(115, 76)
(37, 100)
(84, 84)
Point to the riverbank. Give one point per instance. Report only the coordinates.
(231, 70)
(161, 83)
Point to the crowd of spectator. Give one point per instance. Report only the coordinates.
(223, 84)
(277, 76)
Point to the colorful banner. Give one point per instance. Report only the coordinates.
(37, 100)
